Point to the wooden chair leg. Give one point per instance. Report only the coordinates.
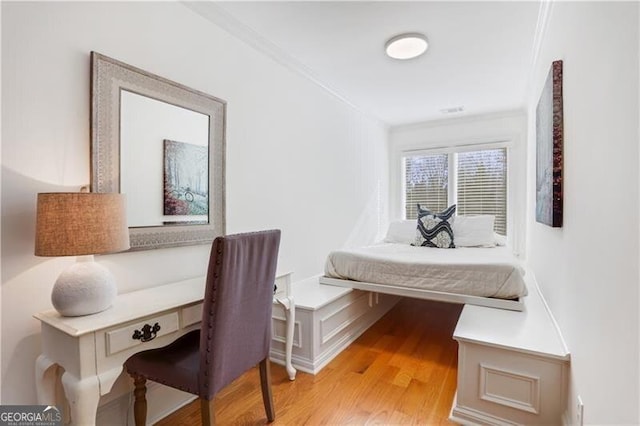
(140, 405)
(265, 384)
(207, 412)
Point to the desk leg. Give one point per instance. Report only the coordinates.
(83, 396)
(46, 371)
(108, 378)
(290, 313)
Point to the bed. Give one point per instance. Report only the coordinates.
(482, 276)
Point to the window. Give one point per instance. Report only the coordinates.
(426, 183)
(478, 184)
(482, 185)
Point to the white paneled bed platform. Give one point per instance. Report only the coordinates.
(484, 276)
(512, 362)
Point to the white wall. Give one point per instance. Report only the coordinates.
(297, 158)
(588, 269)
(505, 126)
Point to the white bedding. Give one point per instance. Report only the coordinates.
(485, 272)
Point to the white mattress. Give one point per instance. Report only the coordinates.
(484, 272)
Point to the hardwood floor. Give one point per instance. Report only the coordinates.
(400, 371)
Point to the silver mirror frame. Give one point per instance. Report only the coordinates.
(108, 77)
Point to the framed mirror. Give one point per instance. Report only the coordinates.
(163, 145)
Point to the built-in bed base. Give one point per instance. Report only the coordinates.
(513, 305)
(512, 366)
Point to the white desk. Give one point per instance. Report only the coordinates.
(92, 349)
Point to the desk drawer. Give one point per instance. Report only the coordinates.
(191, 315)
(140, 332)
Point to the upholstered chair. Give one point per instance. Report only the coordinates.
(235, 333)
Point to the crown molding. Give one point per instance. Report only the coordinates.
(544, 11)
(223, 19)
(519, 112)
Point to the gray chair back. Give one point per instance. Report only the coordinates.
(236, 317)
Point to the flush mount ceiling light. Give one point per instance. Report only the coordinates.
(406, 46)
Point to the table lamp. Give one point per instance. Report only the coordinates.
(81, 224)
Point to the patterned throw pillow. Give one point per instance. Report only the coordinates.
(434, 229)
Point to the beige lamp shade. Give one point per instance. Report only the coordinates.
(81, 223)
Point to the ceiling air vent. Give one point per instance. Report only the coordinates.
(452, 110)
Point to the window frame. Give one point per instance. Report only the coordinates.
(453, 171)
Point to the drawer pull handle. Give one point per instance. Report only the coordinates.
(147, 333)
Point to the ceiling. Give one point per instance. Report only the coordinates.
(479, 53)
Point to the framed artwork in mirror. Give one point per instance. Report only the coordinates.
(163, 145)
(549, 147)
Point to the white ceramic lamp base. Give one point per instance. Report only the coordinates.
(84, 288)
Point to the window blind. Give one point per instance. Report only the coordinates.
(426, 183)
(482, 185)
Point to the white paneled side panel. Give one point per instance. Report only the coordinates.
(302, 351)
(279, 331)
(339, 319)
(511, 389)
(509, 385)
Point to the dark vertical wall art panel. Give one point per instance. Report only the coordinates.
(549, 141)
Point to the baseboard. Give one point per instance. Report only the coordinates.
(469, 416)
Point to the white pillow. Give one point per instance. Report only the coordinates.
(474, 231)
(401, 231)
(501, 240)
